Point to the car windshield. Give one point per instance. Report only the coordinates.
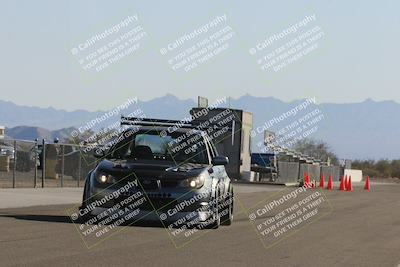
(151, 145)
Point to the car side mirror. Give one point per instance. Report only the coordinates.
(220, 160)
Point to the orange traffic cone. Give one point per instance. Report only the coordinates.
(367, 184)
(349, 186)
(330, 184)
(346, 183)
(322, 181)
(342, 187)
(307, 180)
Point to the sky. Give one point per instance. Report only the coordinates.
(353, 55)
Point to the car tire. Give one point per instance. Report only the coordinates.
(227, 219)
(85, 201)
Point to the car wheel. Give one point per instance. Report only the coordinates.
(85, 202)
(227, 217)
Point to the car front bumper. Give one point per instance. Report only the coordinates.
(168, 206)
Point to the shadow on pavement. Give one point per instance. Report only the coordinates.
(67, 219)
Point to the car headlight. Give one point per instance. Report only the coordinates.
(105, 178)
(194, 182)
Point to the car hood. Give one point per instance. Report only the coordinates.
(151, 169)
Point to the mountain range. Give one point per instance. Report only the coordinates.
(364, 130)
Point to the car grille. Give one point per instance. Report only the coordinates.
(159, 203)
(153, 185)
(149, 184)
(169, 184)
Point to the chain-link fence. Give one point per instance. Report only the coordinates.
(288, 172)
(333, 171)
(313, 171)
(294, 171)
(32, 164)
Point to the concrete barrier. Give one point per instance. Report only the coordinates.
(356, 175)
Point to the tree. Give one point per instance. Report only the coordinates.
(317, 149)
(395, 167)
(382, 168)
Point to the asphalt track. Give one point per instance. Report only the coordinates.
(360, 229)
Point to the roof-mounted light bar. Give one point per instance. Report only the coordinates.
(163, 122)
